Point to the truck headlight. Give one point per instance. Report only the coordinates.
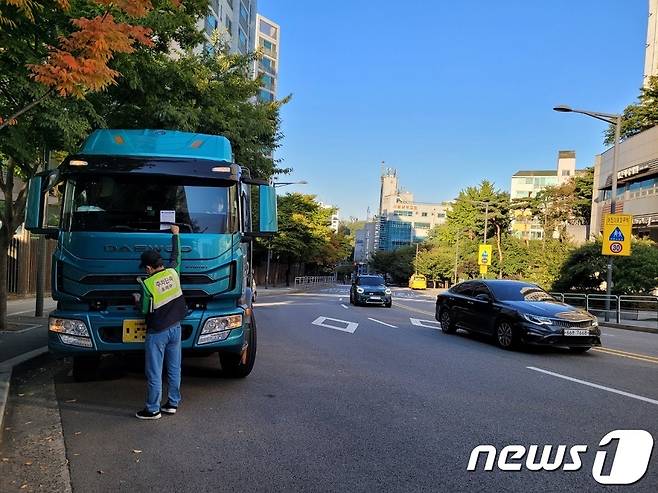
(72, 332)
(360, 290)
(217, 329)
(68, 326)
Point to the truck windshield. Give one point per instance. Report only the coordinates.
(147, 203)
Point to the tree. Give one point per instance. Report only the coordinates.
(467, 216)
(305, 236)
(68, 58)
(585, 269)
(398, 264)
(640, 116)
(52, 60)
(207, 93)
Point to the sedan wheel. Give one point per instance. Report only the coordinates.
(505, 335)
(446, 323)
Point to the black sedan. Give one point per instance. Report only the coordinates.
(370, 290)
(516, 312)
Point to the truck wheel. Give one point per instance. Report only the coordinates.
(85, 368)
(234, 365)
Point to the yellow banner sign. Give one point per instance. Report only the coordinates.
(483, 269)
(617, 234)
(484, 255)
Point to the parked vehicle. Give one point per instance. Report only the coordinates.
(516, 312)
(418, 281)
(370, 290)
(120, 193)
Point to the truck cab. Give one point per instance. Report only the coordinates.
(119, 196)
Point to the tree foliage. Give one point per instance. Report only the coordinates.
(396, 265)
(585, 270)
(305, 236)
(639, 116)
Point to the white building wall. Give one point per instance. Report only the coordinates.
(651, 56)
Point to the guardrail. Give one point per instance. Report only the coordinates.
(314, 280)
(643, 310)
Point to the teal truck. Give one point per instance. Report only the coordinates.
(118, 196)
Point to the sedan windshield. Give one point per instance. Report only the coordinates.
(519, 292)
(371, 281)
(149, 204)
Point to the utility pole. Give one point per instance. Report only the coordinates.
(416, 262)
(42, 256)
(456, 257)
(486, 220)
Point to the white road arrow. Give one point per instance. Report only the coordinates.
(348, 326)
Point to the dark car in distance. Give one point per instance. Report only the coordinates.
(370, 290)
(516, 312)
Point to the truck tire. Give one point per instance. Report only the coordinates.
(85, 368)
(232, 364)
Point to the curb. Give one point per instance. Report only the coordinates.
(6, 368)
(634, 328)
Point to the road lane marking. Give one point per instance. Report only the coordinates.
(625, 354)
(422, 323)
(413, 309)
(345, 306)
(383, 323)
(349, 327)
(595, 385)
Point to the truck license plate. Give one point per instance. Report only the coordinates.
(134, 330)
(576, 332)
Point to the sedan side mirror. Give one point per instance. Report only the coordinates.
(483, 297)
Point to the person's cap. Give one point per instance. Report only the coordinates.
(150, 258)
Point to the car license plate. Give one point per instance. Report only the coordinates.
(134, 331)
(376, 298)
(576, 332)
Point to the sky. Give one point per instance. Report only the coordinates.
(447, 92)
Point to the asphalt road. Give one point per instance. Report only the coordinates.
(383, 401)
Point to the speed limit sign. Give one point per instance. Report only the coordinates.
(616, 247)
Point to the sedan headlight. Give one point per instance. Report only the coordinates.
(535, 319)
(595, 322)
(217, 329)
(360, 290)
(388, 291)
(68, 326)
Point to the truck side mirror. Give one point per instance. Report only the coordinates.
(268, 209)
(34, 208)
(37, 203)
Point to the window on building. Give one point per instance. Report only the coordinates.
(566, 172)
(229, 25)
(242, 41)
(244, 17)
(267, 81)
(268, 29)
(265, 96)
(528, 181)
(422, 225)
(230, 3)
(424, 214)
(403, 213)
(268, 65)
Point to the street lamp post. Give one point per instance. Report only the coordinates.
(277, 184)
(614, 119)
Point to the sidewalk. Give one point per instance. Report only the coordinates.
(26, 333)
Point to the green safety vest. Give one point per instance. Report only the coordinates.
(163, 286)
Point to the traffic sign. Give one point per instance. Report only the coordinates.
(617, 234)
(483, 269)
(484, 255)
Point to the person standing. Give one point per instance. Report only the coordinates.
(161, 302)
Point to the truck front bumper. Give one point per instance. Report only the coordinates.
(106, 333)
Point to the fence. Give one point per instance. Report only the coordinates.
(638, 310)
(23, 263)
(314, 280)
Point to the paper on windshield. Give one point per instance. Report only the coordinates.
(167, 218)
